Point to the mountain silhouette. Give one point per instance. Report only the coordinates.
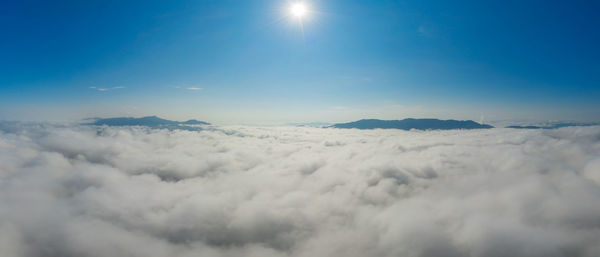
(195, 122)
(149, 121)
(554, 125)
(408, 124)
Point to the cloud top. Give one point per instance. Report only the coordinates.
(298, 191)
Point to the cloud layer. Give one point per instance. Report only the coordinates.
(248, 191)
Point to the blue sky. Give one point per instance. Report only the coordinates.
(250, 62)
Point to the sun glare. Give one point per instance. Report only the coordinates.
(298, 10)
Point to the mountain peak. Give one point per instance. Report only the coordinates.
(412, 123)
(148, 121)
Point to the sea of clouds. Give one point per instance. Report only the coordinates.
(296, 191)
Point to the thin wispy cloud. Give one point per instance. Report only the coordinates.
(427, 30)
(193, 88)
(103, 89)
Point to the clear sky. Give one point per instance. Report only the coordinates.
(228, 61)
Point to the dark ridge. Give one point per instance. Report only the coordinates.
(525, 127)
(555, 126)
(195, 122)
(150, 121)
(408, 124)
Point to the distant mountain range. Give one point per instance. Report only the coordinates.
(553, 126)
(150, 121)
(408, 124)
(405, 124)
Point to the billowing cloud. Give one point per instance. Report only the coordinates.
(250, 191)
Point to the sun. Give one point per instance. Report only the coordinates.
(298, 10)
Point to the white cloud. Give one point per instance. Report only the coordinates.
(193, 88)
(106, 88)
(251, 191)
